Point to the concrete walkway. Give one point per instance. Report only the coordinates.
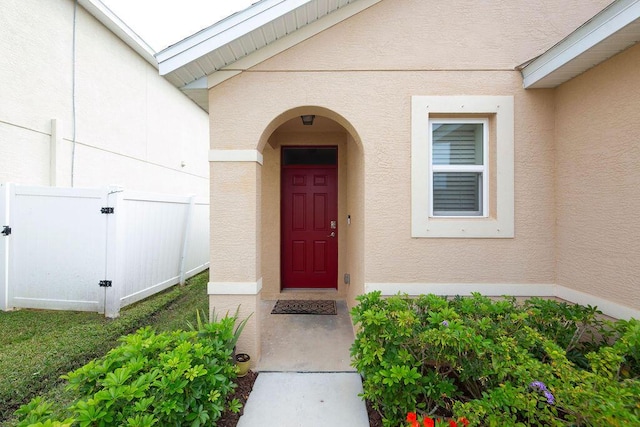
(290, 399)
(305, 343)
(305, 377)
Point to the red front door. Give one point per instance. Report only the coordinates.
(309, 227)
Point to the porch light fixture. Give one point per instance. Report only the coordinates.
(307, 119)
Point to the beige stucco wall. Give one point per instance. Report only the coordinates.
(355, 231)
(132, 127)
(249, 341)
(439, 35)
(362, 73)
(235, 215)
(598, 179)
(382, 118)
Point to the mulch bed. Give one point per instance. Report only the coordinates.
(375, 417)
(245, 385)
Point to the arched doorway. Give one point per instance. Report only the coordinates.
(312, 206)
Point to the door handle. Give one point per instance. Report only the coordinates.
(333, 234)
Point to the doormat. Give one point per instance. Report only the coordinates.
(304, 307)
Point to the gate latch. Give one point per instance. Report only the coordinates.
(6, 230)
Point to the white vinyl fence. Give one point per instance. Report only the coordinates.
(96, 249)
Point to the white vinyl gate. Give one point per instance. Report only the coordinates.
(96, 249)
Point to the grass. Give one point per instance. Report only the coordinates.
(37, 346)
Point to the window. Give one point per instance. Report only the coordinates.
(309, 156)
(462, 167)
(457, 153)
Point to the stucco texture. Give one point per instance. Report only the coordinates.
(362, 73)
(381, 115)
(598, 179)
(234, 210)
(249, 341)
(131, 127)
(437, 35)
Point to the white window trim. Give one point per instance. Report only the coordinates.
(501, 224)
(484, 168)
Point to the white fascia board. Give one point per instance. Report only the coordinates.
(612, 19)
(221, 26)
(289, 41)
(110, 20)
(224, 32)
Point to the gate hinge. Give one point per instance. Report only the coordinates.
(106, 210)
(6, 230)
(105, 283)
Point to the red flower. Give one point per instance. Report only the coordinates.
(411, 417)
(453, 423)
(428, 422)
(464, 421)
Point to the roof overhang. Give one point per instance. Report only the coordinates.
(247, 38)
(110, 20)
(611, 31)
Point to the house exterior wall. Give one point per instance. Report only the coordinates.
(355, 208)
(384, 126)
(362, 73)
(132, 128)
(235, 210)
(597, 158)
(431, 35)
(358, 71)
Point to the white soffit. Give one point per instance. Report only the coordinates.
(272, 24)
(611, 31)
(110, 20)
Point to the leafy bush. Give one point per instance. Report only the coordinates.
(38, 346)
(496, 363)
(168, 379)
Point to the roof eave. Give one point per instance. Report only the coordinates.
(223, 32)
(618, 25)
(110, 20)
(193, 51)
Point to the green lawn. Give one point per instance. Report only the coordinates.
(37, 346)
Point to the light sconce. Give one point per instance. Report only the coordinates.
(307, 119)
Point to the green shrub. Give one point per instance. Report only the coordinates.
(166, 379)
(496, 363)
(38, 346)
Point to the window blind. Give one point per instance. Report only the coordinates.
(456, 192)
(457, 167)
(457, 144)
